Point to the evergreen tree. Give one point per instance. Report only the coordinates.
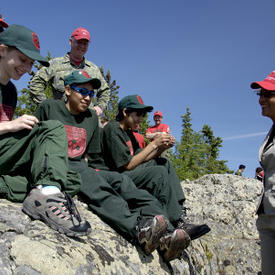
(111, 110)
(144, 126)
(197, 152)
(213, 165)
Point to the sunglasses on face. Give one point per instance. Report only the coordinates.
(141, 113)
(265, 93)
(83, 91)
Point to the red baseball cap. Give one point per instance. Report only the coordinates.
(81, 33)
(3, 23)
(268, 83)
(158, 113)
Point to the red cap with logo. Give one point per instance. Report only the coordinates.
(158, 113)
(81, 33)
(268, 83)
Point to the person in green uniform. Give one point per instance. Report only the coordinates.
(133, 212)
(62, 66)
(33, 161)
(122, 153)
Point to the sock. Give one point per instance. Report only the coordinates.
(48, 189)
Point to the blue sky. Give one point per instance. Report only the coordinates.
(176, 54)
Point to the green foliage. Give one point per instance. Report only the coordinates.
(143, 127)
(111, 110)
(197, 152)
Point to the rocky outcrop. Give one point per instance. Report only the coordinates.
(226, 202)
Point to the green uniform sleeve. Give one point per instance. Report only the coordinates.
(41, 112)
(94, 142)
(117, 153)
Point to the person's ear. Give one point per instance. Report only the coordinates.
(3, 48)
(124, 112)
(68, 90)
(70, 41)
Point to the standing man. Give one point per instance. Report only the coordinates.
(158, 128)
(62, 66)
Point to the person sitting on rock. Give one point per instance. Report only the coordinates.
(32, 156)
(133, 212)
(123, 154)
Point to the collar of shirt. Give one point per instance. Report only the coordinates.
(67, 59)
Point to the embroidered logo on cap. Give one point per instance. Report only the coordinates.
(139, 99)
(35, 40)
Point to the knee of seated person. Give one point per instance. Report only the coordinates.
(161, 171)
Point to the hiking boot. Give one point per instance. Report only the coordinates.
(58, 211)
(149, 232)
(193, 230)
(173, 244)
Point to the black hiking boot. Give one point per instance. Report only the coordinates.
(193, 230)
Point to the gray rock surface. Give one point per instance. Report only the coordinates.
(226, 202)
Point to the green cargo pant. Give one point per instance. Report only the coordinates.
(116, 199)
(154, 179)
(173, 178)
(29, 158)
(15, 188)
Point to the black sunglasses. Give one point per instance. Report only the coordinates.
(141, 113)
(266, 94)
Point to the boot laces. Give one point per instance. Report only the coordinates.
(70, 205)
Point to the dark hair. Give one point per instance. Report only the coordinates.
(259, 169)
(242, 166)
(120, 115)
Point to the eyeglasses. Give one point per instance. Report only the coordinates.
(83, 91)
(265, 93)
